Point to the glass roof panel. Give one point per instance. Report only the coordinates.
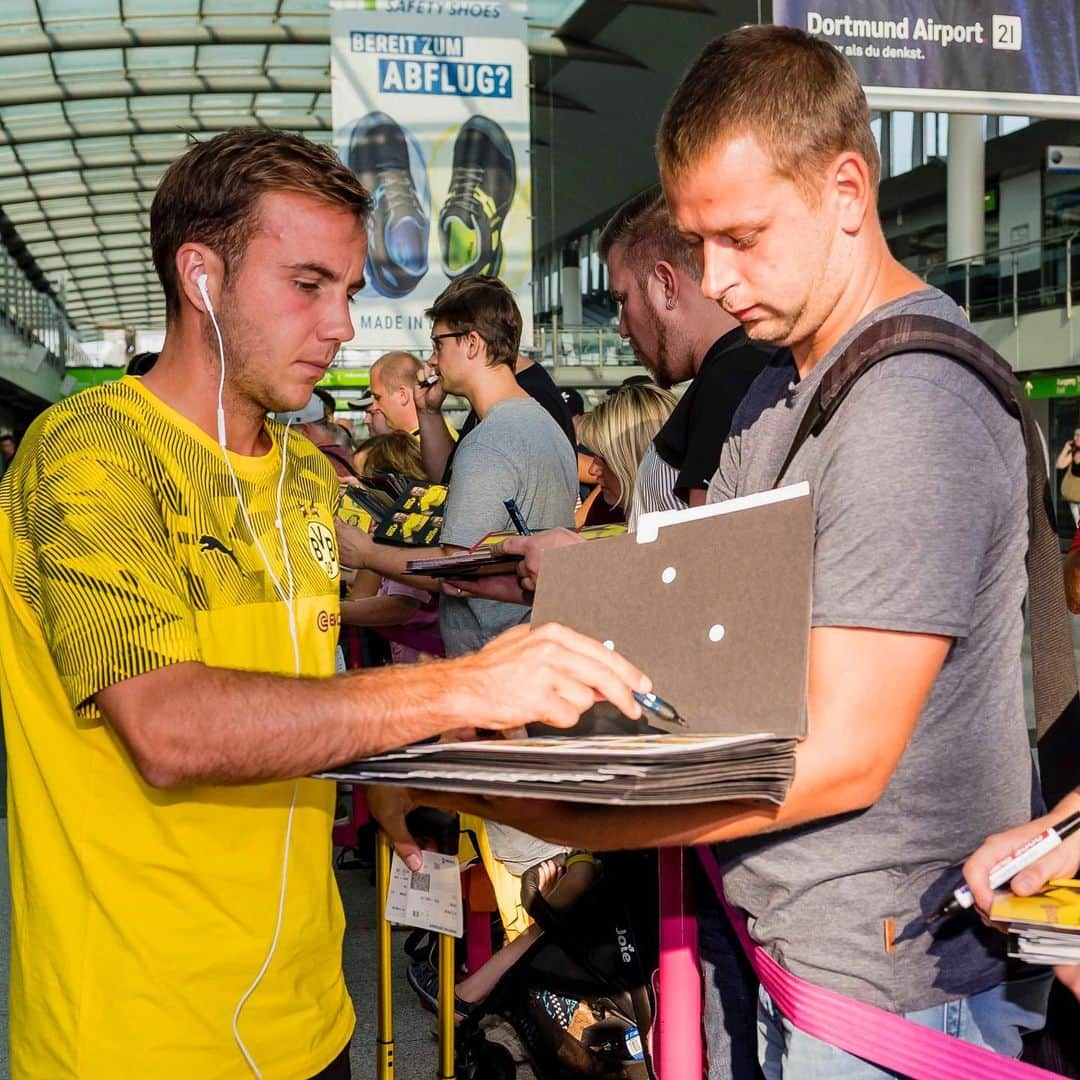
(77, 176)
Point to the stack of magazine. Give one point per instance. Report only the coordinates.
(406, 512)
(616, 769)
(1044, 928)
(713, 604)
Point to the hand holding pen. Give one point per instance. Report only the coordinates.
(1028, 856)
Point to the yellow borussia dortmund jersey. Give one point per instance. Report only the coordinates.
(140, 916)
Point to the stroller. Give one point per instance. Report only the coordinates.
(580, 999)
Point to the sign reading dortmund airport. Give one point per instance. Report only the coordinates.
(431, 111)
(982, 56)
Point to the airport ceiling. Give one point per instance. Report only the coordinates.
(98, 96)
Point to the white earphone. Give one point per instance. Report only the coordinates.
(288, 598)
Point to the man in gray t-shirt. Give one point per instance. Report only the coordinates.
(917, 743)
(516, 451)
(904, 541)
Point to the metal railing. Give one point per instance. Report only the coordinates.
(581, 346)
(1010, 281)
(36, 318)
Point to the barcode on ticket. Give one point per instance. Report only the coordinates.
(420, 881)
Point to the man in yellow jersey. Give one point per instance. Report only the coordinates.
(167, 631)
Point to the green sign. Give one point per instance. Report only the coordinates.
(345, 377)
(1065, 384)
(85, 377)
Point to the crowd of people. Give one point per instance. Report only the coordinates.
(174, 575)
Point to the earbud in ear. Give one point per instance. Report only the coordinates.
(204, 292)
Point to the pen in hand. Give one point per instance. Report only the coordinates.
(1011, 865)
(517, 518)
(657, 705)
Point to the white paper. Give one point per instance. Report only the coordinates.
(429, 898)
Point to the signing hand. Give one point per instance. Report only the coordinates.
(549, 676)
(1062, 862)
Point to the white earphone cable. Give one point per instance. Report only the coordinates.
(288, 598)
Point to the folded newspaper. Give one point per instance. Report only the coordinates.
(638, 770)
(1044, 928)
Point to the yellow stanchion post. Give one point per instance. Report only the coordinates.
(384, 1029)
(447, 971)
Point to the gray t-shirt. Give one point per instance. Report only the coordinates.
(517, 451)
(920, 502)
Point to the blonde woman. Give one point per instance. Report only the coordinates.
(618, 431)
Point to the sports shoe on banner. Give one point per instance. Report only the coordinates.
(482, 187)
(388, 162)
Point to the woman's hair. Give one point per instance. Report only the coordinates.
(393, 452)
(620, 429)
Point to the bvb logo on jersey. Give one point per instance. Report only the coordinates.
(323, 547)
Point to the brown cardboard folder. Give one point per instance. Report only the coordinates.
(714, 604)
(715, 609)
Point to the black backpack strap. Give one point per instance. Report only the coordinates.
(1053, 662)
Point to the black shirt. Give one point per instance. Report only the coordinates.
(540, 386)
(691, 439)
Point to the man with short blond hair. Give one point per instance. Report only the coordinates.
(393, 377)
(917, 745)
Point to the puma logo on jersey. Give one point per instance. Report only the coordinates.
(212, 543)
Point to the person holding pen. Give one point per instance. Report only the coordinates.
(917, 743)
(1061, 862)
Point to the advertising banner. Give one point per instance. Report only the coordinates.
(430, 102)
(979, 56)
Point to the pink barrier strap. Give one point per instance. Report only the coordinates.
(880, 1037)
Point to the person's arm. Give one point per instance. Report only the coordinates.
(1072, 581)
(843, 765)
(696, 496)
(365, 583)
(190, 724)
(378, 610)
(358, 550)
(891, 592)
(436, 442)
(1064, 459)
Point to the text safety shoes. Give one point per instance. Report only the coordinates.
(481, 189)
(389, 164)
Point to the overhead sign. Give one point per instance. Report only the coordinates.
(430, 106)
(1066, 384)
(984, 56)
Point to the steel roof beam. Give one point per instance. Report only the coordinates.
(36, 216)
(315, 33)
(171, 85)
(75, 89)
(74, 191)
(74, 162)
(177, 125)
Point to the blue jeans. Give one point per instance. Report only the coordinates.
(995, 1020)
(730, 996)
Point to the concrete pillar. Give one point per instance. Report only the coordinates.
(966, 183)
(570, 284)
